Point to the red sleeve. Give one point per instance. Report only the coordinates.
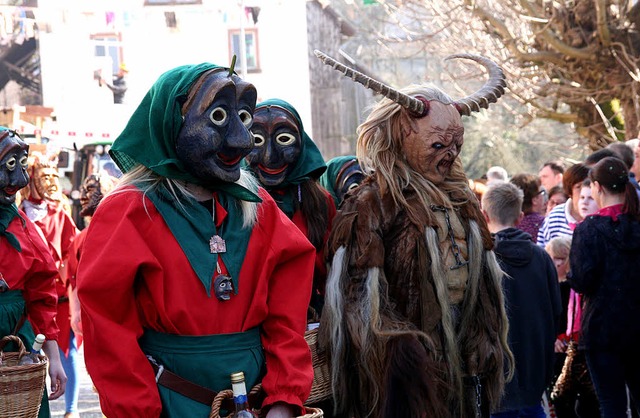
(69, 232)
(111, 324)
(40, 284)
(289, 370)
(74, 257)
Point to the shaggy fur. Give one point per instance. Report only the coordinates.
(398, 346)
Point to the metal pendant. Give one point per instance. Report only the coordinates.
(222, 287)
(217, 245)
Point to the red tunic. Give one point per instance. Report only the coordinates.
(133, 275)
(34, 272)
(60, 230)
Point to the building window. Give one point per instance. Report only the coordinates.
(109, 45)
(251, 56)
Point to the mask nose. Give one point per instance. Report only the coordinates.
(18, 178)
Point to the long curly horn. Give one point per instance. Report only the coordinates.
(489, 93)
(416, 106)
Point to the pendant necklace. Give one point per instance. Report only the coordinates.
(222, 284)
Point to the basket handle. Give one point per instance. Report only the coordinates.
(9, 338)
(227, 394)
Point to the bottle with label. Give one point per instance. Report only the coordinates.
(32, 356)
(243, 410)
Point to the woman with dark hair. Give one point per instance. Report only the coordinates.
(532, 204)
(605, 259)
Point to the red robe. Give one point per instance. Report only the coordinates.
(133, 274)
(33, 271)
(60, 230)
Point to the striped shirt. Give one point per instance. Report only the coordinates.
(558, 222)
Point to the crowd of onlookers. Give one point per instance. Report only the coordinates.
(586, 218)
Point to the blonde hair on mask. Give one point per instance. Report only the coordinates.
(379, 150)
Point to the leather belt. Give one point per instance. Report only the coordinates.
(194, 391)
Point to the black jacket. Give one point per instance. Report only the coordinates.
(532, 298)
(605, 268)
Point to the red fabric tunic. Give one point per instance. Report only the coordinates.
(33, 271)
(133, 274)
(74, 256)
(72, 268)
(60, 230)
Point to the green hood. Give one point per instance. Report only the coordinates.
(329, 177)
(149, 139)
(310, 164)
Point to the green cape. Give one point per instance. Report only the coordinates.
(7, 213)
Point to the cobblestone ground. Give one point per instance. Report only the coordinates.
(88, 404)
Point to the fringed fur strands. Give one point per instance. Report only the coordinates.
(375, 357)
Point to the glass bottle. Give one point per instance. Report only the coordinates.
(243, 410)
(32, 356)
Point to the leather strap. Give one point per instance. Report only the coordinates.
(196, 392)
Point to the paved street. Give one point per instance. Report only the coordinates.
(88, 404)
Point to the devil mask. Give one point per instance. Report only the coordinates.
(14, 155)
(192, 125)
(283, 154)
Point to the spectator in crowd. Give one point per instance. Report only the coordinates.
(532, 300)
(533, 203)
(598, 155)
(497, 173)
(551, 174)
(627, 155)
(587, 204)
(556, 196)
(563, 218)
(605, 260)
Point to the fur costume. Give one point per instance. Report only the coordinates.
(414, 318)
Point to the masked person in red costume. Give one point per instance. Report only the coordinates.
(27, 270)
(46, 206)
(190, 263)
(288, 164)
(414, 318)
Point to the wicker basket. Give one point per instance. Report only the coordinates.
(21, 387)
(228, 394)
(321, 388)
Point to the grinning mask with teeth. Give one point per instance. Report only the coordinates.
(434, 142)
